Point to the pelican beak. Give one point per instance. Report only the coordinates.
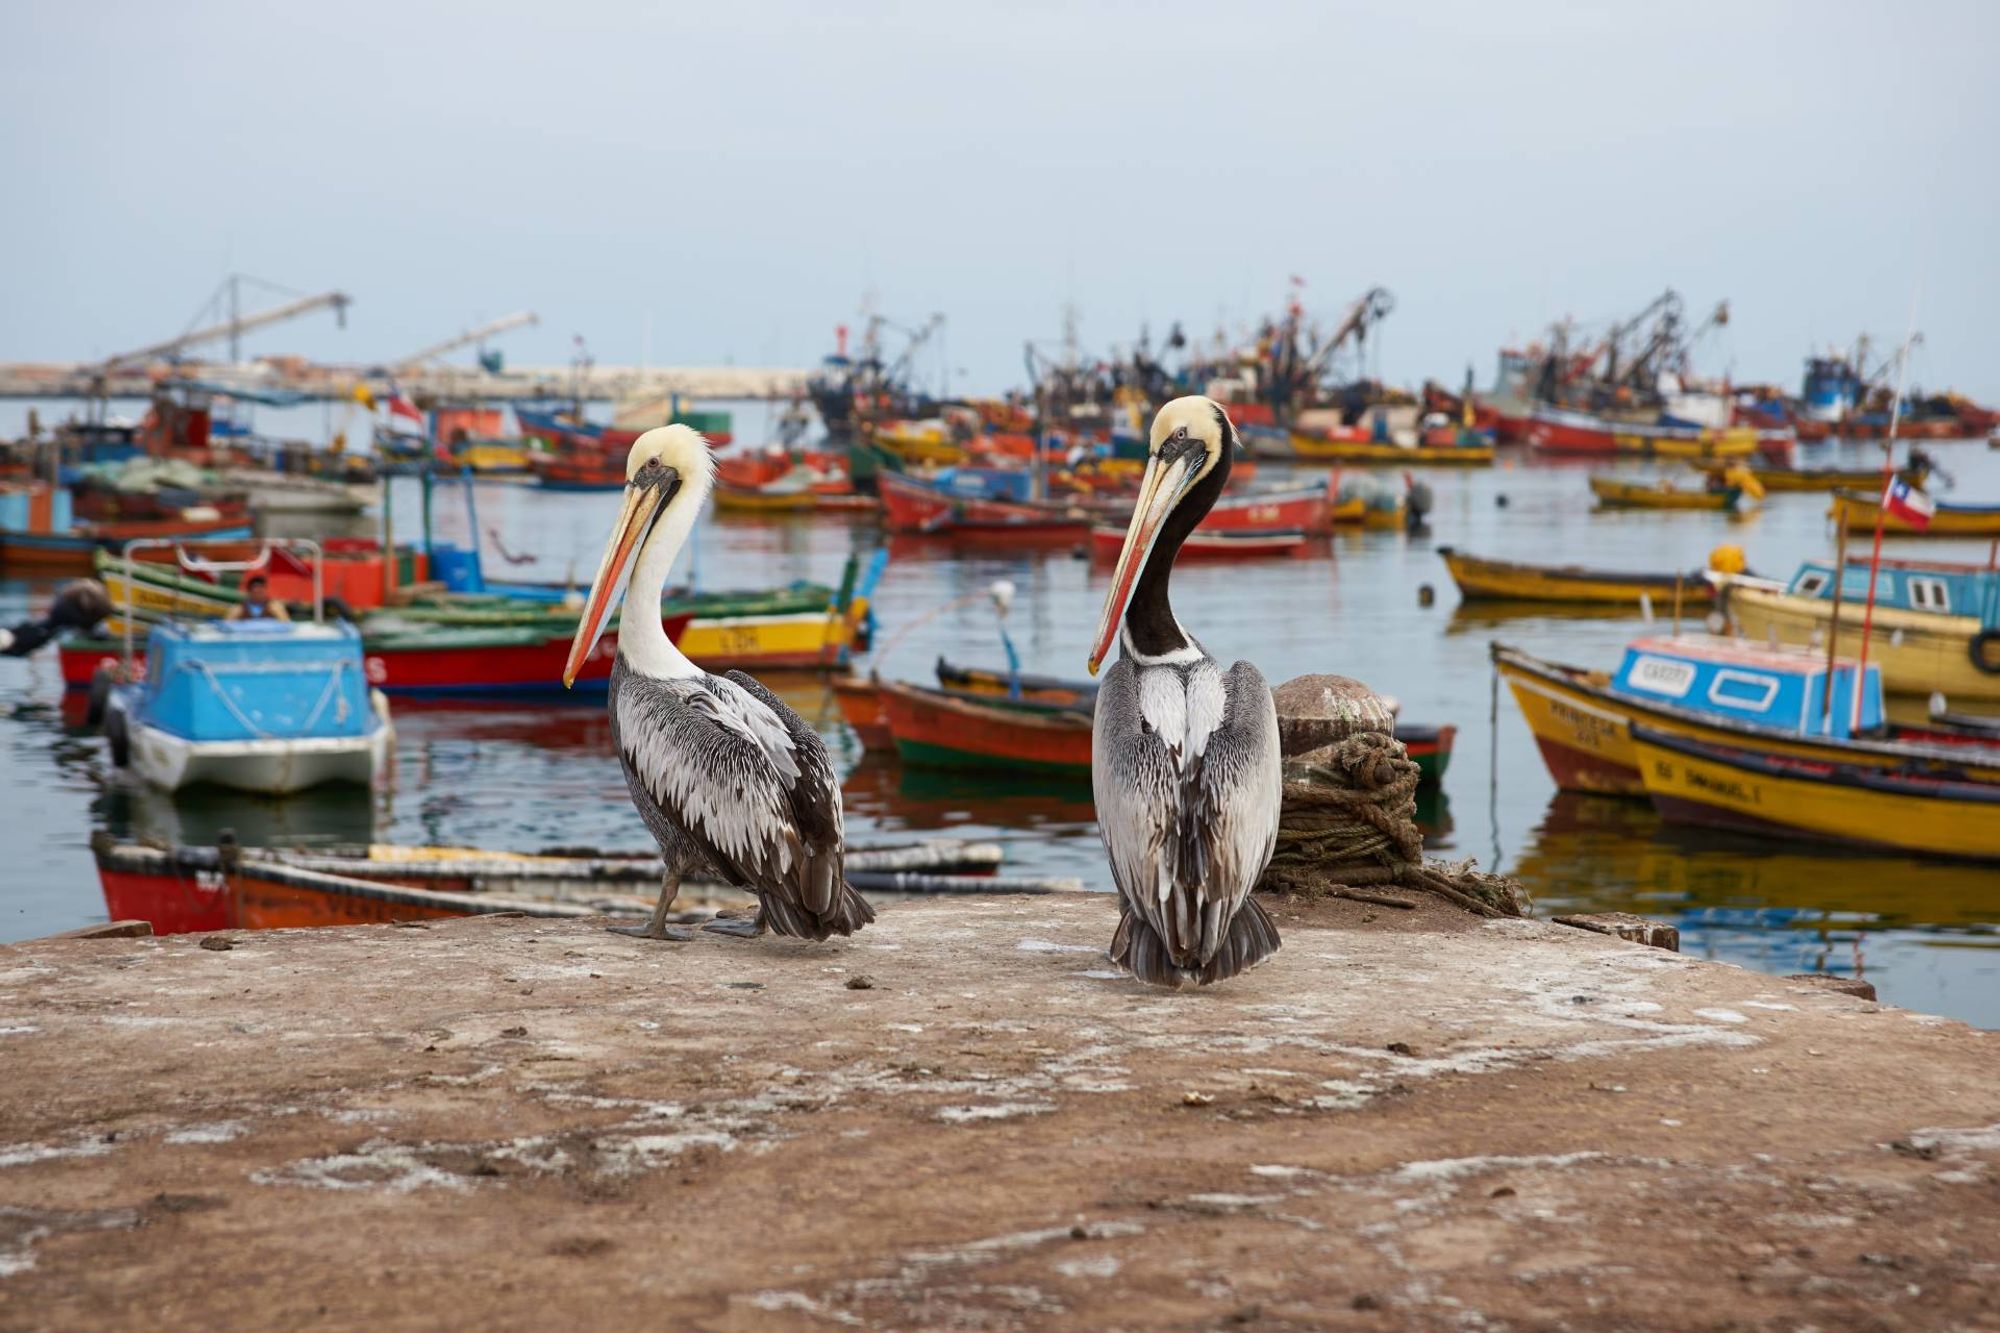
(636, 517)
(1168, 476)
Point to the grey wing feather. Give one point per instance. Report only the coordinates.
(814, 801)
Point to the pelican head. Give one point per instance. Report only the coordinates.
(1191, 438)
(663, 462)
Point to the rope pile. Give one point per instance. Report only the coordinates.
(1348, 821)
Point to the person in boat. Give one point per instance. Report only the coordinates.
(257, 603)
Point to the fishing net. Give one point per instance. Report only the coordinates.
(1348, 825)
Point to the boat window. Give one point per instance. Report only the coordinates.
(1930, 594)
(1742, 689)
(1810, 584)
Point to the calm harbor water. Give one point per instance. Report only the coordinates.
(532, 775)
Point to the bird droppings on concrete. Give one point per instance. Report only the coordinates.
(1389, 1118)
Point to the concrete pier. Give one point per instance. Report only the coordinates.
(963, 1118)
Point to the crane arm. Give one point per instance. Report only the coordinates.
(503, 324)
(305, 305)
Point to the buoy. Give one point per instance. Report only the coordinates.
(1501, 499)
(1426, 594)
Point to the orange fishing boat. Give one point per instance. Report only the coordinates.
(939, 731)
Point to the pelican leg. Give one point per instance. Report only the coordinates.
(657, 928)
(739, 923)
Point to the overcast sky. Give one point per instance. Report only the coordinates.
(744, 175)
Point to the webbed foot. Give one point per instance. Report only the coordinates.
(678, 934)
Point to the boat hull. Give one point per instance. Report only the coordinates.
(941, 732)
(1614, 494)
(1230, 544)
(1744, 790)
(1859, 513)
(910, 506)
(1501, 580)
(1583, 731)
(1313, 448)
(264, 767)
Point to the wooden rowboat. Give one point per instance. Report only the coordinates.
(183, 889)
(1612, 493)
(1753, 790)
(938, 731)
(913, 506)
(1858, 510)
(1480, 579)
(1429, 748)
(1229, 544)
(1815, 479)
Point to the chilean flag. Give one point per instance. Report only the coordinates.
(404, 418)
(1908, 503)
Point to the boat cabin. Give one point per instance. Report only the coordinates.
(1909, 585)
(1783, 688)
(240, 680)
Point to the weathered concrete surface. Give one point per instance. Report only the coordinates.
(1403, 1121)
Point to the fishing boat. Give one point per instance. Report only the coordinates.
(1916, 472)
(1860, 510)
(1429, 748)
(1079, 695)
(1612, 493)
(1918, 811)
(938, 731)
(788, 494)
(919, 443)
(1935, 628)
(1356, 446)
(38, 534)
(579, 470)
(262, 705)
(1557, 430)
(1480, 579)
(1310, 509)
(181, 889)
(913, 506)
(1716, 690)
(1230, 544)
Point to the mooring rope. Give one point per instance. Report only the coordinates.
(1348, 821)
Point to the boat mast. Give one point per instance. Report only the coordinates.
(1881, 512)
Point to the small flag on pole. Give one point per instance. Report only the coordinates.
(1906, 502)
(404, 417)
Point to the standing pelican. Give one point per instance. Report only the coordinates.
(1183, 756)
(725, 776)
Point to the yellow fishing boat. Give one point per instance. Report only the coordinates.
(763, 499)
(804, 641)
(1735, 442)
(1750, 790)
(1314, 448)
(1612, 493)
(1583, 726)
(1348, 509)
(1858, 510)
(1792, 479)
(1502, 580)
(920, 442)
(1920, 652)
(494, 457)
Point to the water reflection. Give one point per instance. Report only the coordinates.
(1775, 907)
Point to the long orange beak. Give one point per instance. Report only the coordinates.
(633, 517)
(1159, 491)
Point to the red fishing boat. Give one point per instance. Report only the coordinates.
(73, 552)
(1230, 544)
(1307, 508)
(579, 470)
(940, 731)
(913, 506)
(432, 660)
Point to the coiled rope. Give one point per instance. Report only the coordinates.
(1348, 821)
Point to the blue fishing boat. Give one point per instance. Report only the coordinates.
(260, 705)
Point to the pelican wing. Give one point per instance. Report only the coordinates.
(722, 766)
(1187, 801)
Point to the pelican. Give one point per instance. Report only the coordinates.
(726, 777)
(1183, 755)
